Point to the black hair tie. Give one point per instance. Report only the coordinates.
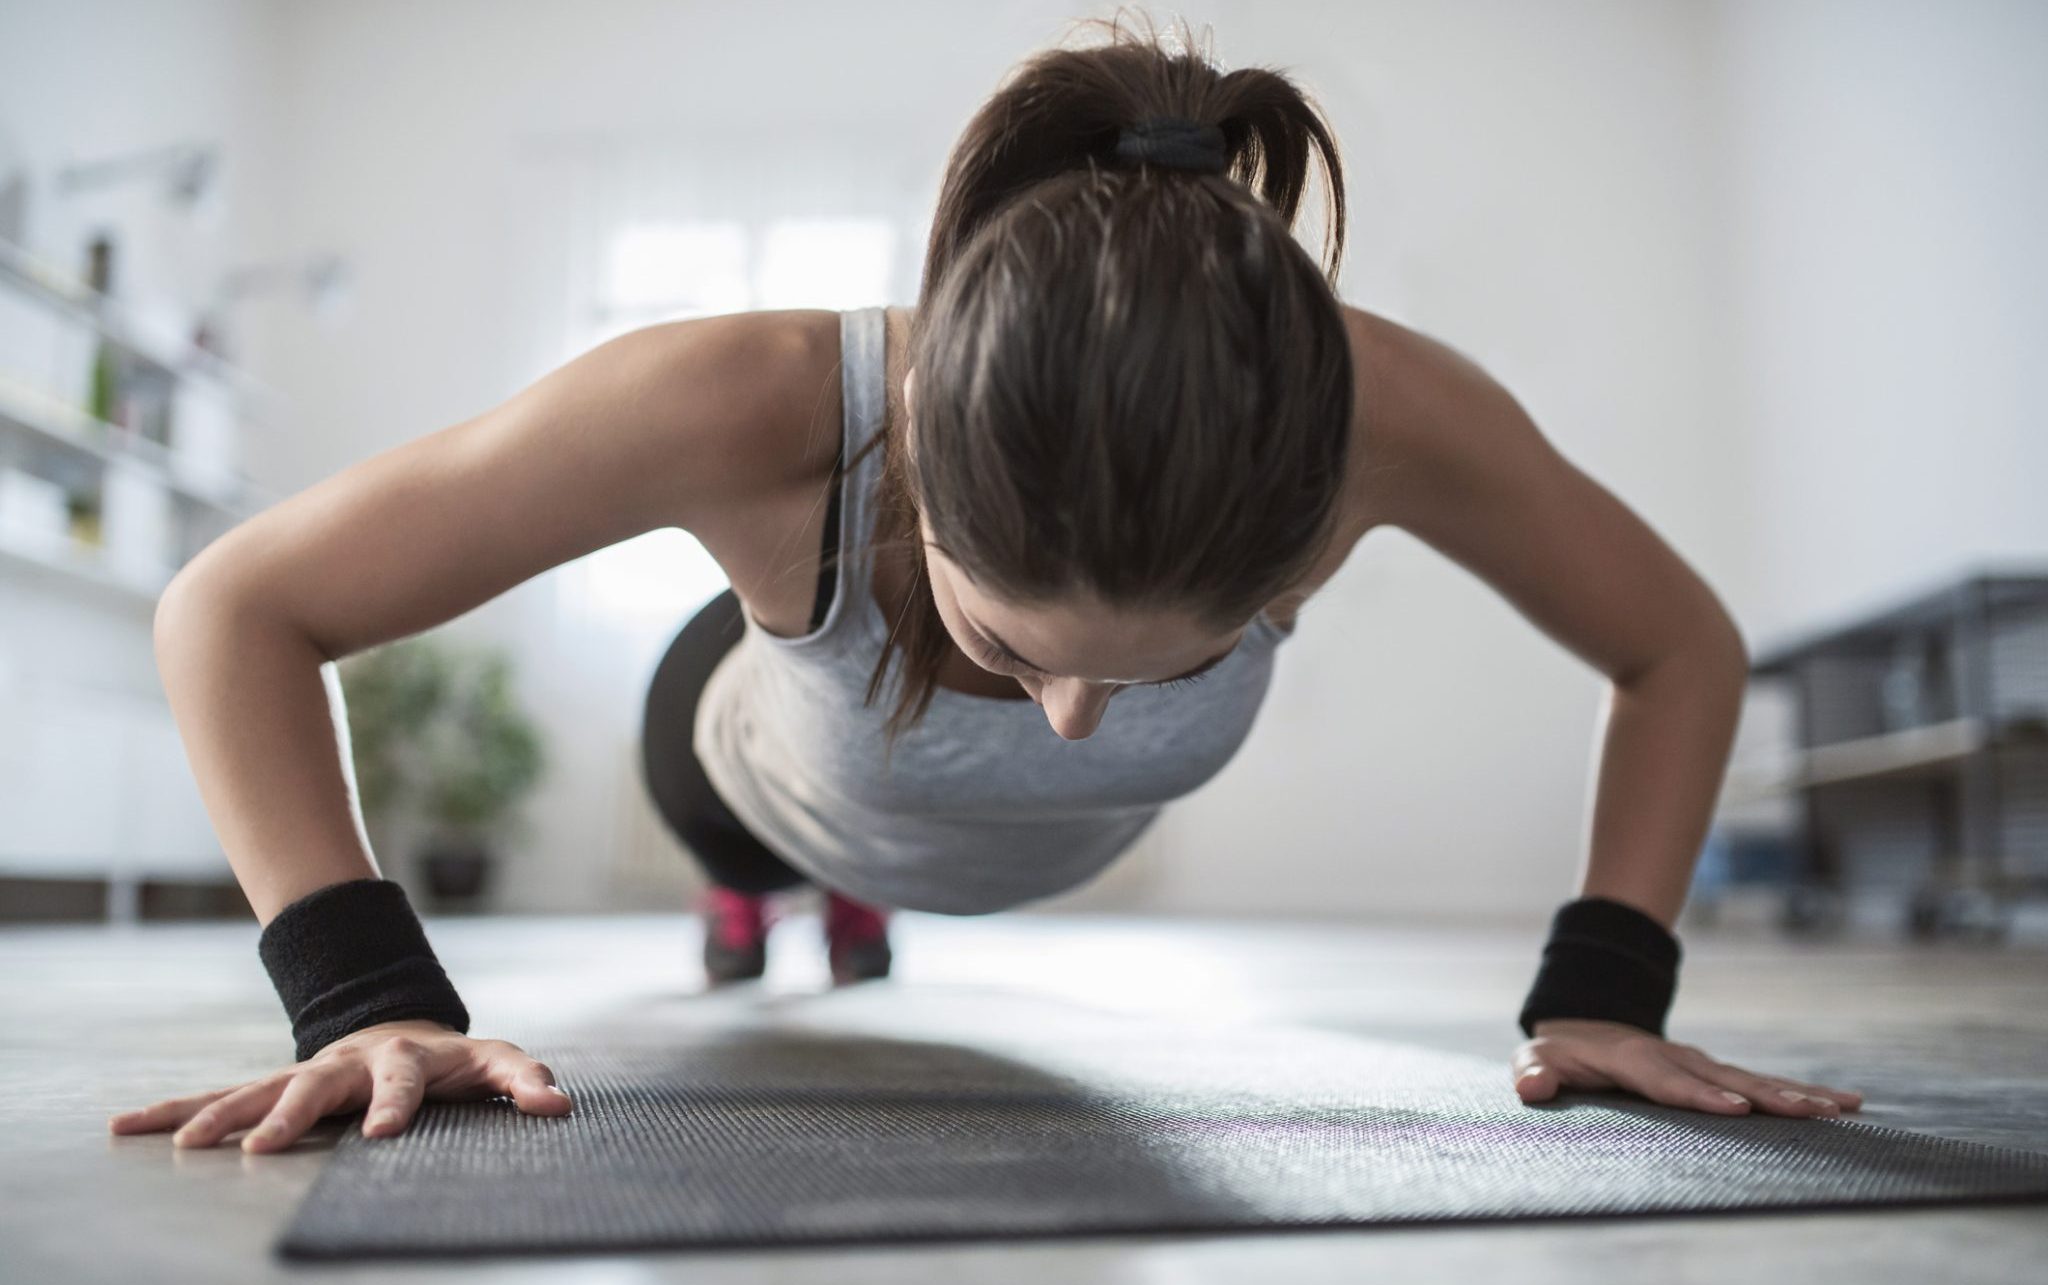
(1175, 142)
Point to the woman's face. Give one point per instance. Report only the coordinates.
(1072, 656)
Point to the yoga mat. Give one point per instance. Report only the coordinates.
(892, 1113)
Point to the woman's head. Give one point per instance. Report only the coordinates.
(1130, 388)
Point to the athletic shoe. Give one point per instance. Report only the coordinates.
(735, 934)
(856, 939)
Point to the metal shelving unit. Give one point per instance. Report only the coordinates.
(1936, 707)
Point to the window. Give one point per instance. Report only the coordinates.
(655, 271)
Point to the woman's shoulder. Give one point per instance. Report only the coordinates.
(1430, 423)
(769, 380)
(747, 402)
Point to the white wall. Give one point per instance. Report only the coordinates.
(1528, 185)
(1888, 257)
(1638, 215)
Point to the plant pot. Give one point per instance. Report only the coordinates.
(456, 872)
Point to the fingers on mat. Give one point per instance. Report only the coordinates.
(1665, 1081)
(530, 1083)
(1536, 1082)
(1769, 1092)
(1847, 1099)
(397, 1087)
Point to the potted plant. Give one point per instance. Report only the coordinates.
(437, 735)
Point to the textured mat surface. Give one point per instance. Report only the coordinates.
(889, 1113)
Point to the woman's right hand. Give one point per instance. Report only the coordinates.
(390, 1068)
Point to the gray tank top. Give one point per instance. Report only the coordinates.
(984, 806)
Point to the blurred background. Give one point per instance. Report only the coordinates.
(1773, 271)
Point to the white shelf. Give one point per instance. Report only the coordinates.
(81, 566)
(52, 436)
(42, 280)
(33, 414)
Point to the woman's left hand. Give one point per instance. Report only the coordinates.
(1580, 1053)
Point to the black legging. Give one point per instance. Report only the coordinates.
(730, 855)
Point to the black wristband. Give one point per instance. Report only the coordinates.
(351, 955)
(1604, 960)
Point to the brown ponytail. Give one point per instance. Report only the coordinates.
(1132, 379)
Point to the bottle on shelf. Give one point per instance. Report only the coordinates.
(103, 398)
(83, 508)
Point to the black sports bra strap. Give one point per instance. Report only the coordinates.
(826, 571)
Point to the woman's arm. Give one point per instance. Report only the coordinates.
(648, 430)
(1459, 464)
(679, 424)
(1669, 729)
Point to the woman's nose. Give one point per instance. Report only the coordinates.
(1074, 708)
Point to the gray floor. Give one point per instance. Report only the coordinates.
(1951, 1040)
